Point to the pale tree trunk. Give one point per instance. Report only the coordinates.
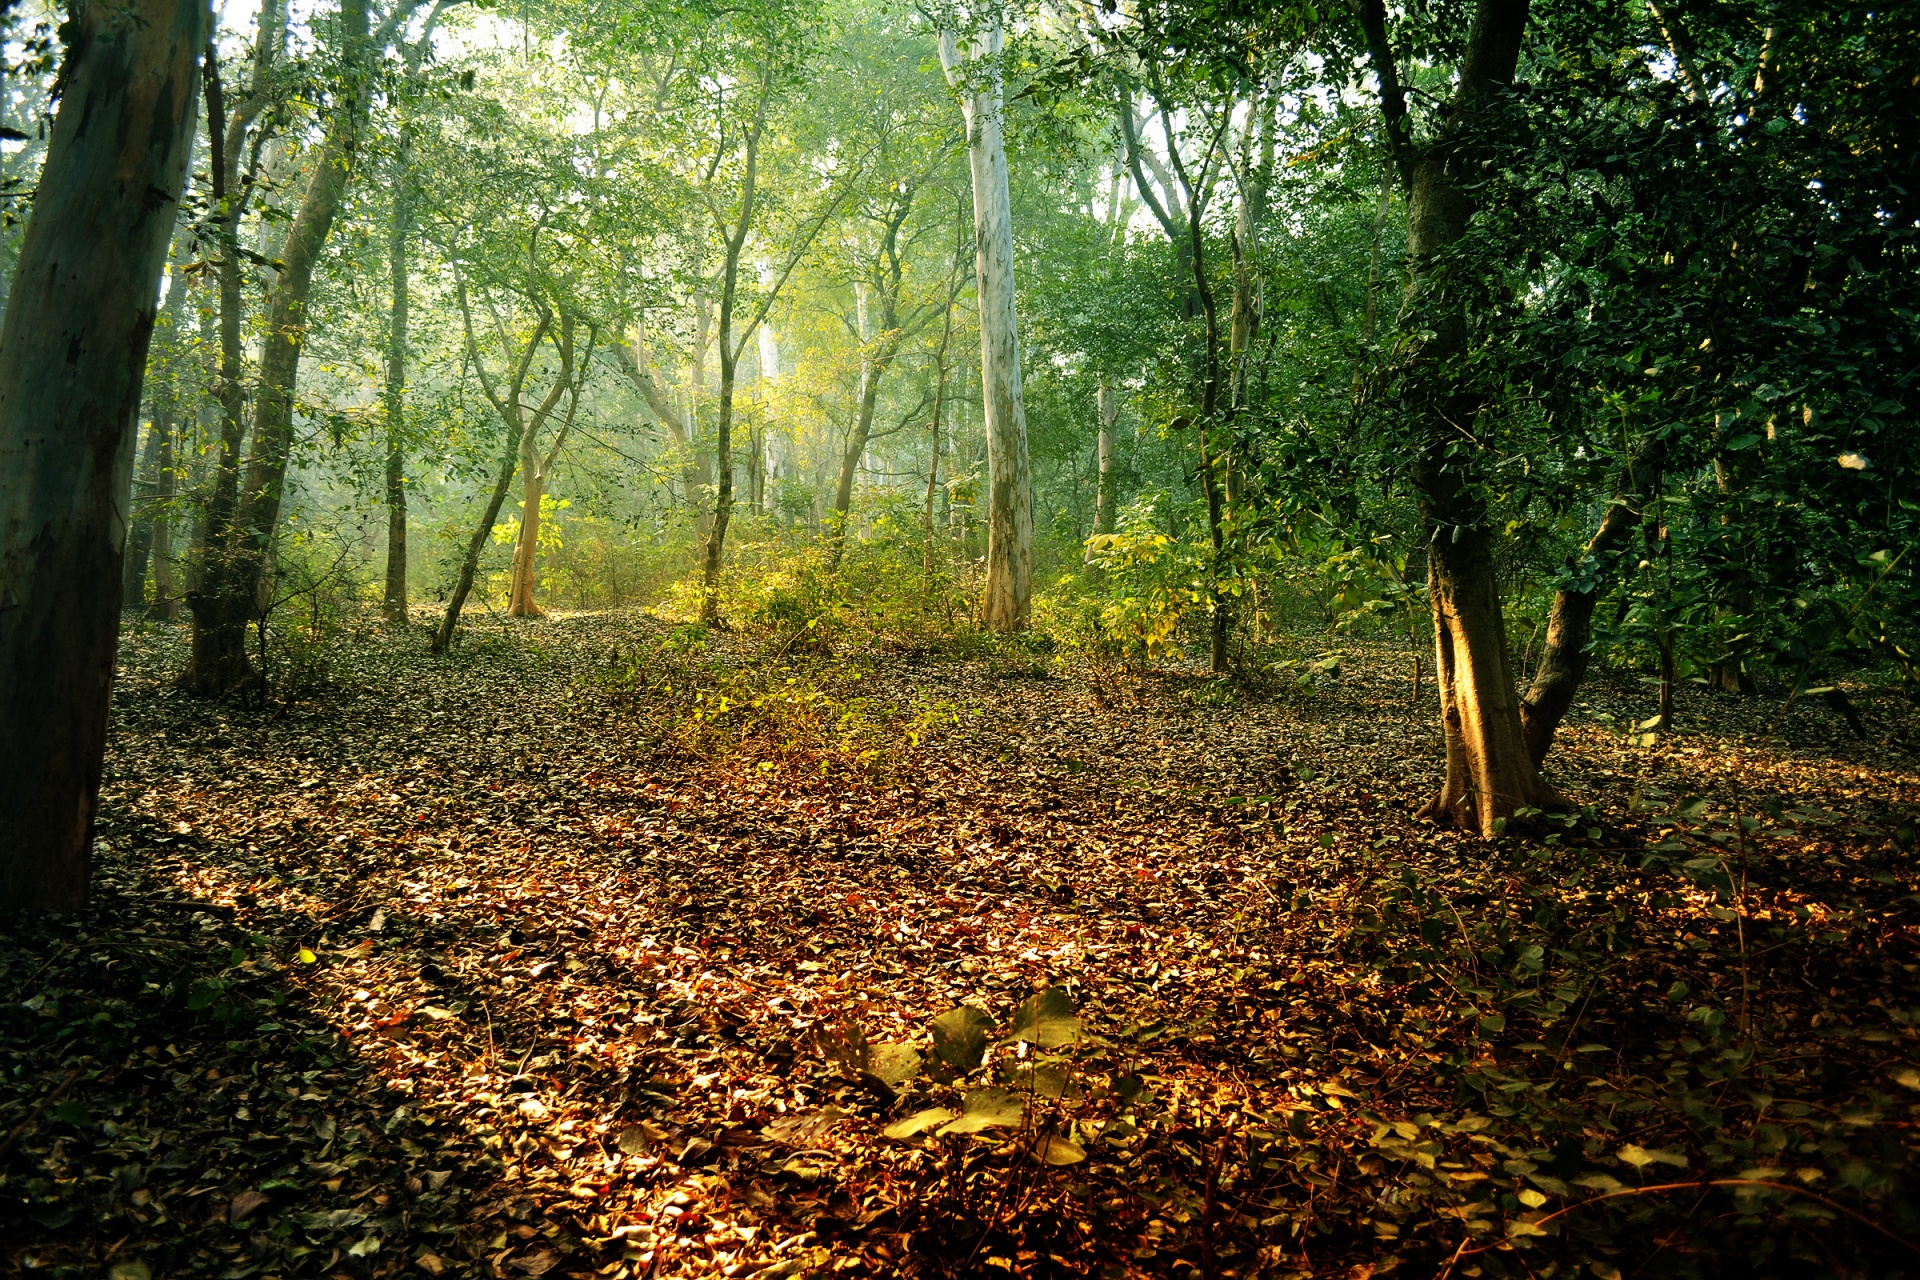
(536, 474)
(166, 603)
(226, 602)
(520, 602)
(73, 347)
(145, 510)
(1105, 495)
(1490, 768)
(1009, 586)
(395, 599)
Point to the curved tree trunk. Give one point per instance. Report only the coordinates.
(470, 563)
(73, 348)
(1009, 586)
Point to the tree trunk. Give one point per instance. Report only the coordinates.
(1490, 768)
(133, 592)
(166, 603)
(857, 441)
(1009, 585)
(1563, 664)
(1105, 495)
(520, 602)
(470, 563)
(73, 347)
(395, 598)
(220, 622)
(151, 491)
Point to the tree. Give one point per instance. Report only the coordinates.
(236, 554)
(977, 76)
(1491, 770)
(73, 347)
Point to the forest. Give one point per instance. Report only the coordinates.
(1044, 638)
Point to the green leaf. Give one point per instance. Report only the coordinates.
(71, 1112)
(989, 1108)
(918, 1122)
(960, 1037)
(1056, 1150)
(1640, 1157)
(892, 1064)
(1046, 1020)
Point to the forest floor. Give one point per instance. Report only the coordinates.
(604, 949)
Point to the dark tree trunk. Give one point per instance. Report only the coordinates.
(226, 603)
(470, 563)
(73, 349)
(1490, 770)
(1569, 630)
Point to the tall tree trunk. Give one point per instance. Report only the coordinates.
(146, 484)
(1105, 495)
(1490, 769)
(395, 599)
(857, 441)
(227, 603)
(149, 511)
(73, 348)
(1009, 586)
(166, 602)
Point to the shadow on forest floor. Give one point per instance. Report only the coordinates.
(541, 960)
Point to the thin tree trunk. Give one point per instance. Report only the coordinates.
(520, 602)
(73, 347)
(1105, 496)
(395, 599)
(166, 603)
(1007, 599)
(470, 562)
(149, 510)
(133, 592)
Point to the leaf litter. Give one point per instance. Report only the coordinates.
(595, 951)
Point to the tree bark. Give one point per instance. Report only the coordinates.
(220, 645)
(226, 603)
(1563, 664)
(73, 348)
(395, 599)
(1491, 771)
(1008, 594)
(470, 562)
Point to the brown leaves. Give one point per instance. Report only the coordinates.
(623, 1015)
